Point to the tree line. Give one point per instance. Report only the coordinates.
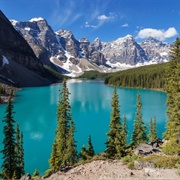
(151, 77)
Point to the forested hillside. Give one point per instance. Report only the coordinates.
(152, 76)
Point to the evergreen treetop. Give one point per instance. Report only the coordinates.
(8, 152)
(64, 147)
(152, 136)
(115, 146)
(173, 101)
(139, 131)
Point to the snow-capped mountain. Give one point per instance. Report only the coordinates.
(156, 51)
(124, 50)
(61, 50)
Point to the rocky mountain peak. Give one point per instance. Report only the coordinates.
(97, 44)
(151, 40)
(157, 51)
(84, 40)
(127, 39)
(65, 33)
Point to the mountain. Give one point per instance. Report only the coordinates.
(18, 64)
(156, 51)
(124, 50)
(64, 53)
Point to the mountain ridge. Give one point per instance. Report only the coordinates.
(63, 52)
(17, 58)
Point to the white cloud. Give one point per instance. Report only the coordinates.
(64, 14)
(87, 25)
(159, 34)
(125, 25)
(103, 17)
(170, 32)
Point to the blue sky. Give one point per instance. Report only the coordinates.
(106, 19)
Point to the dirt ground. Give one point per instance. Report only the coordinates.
(114, 170)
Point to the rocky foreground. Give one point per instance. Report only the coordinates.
(114, 170)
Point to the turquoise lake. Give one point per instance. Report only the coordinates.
(35, 111)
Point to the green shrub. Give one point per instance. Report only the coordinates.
(130, 165)
(127, 159)
(36, 173)
(162, 161)
(171, 147)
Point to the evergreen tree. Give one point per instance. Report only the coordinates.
(114, 143)
(17, 173)
(8, 152)
(173, 101)
(21, 155)
(90, 149)
(83, 154)
(87, 153)
(139, 131)
(124, 131)
(71, 154)
(53, 161)
(36, 172)
(152, 136)
(64, 147)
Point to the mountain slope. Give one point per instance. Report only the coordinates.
(16, 54)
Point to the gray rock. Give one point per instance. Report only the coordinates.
(143, 149)
(26, 177)
(142, 164)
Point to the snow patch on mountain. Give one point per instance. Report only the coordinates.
(27, 28)
(5, 61)
(13, 22)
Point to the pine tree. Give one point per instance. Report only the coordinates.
(8, 152)
(21, 155)
(17, 173)
(90, 149)
(53, 161)
(139, 131)
(124, 131)
(64, 147)
(173, 101)
(36, 172)
(152, 136)
(114, 143)
(71, 154)
(83, 154)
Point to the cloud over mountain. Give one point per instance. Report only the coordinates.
(159, 34)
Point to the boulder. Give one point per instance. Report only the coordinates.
(143, 149)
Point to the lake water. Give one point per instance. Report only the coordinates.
(35, 111)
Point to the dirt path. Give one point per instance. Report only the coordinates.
(114, 170)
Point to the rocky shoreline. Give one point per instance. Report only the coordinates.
(4, 97)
